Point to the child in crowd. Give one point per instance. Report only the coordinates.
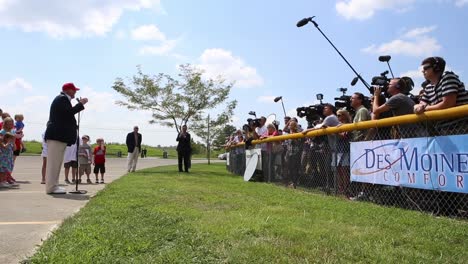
(69, 161)
(6, 160)
(85, 158)
(19, 126)
(44, 158)
(99, 159)
(9, 127)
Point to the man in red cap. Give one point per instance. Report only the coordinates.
(61, 132)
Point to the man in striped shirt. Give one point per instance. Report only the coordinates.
(444, 89)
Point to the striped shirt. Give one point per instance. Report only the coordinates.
(448, 84)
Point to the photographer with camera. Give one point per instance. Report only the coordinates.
(323, 150)
(398, 103)
(330, 119)
(261, 129)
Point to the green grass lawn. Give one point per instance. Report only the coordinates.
(208, 216)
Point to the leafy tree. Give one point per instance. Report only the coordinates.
(226, 131)
(173, 102)
(216, 124)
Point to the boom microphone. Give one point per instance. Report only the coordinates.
(354, 81)
(303, 21)
(385, 58)
(278, 98)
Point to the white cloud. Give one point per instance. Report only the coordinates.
(68, 19)
(364, 9)
(461, 3)
(415, 42)
(17, 85)
(417, 32)
(160, 44)
(220, 62)
(163, 49)
(148, 32)
(266, 99)
(413, 74)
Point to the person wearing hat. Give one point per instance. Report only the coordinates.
(61, 132)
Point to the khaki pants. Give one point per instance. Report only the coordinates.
(55, 152)
(132, 159)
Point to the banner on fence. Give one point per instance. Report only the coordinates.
(434, 163)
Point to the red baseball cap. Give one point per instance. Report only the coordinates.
(69, 86)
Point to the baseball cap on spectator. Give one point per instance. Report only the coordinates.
(69, 86)
(85, 137)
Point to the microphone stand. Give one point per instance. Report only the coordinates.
(76, 191)
(284, 110)
(355, 72)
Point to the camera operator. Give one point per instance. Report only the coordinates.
(330, 119)
(261, 129)
(398, 103)
(445, 89)
(286, 124)
(323, 150)
(361, 114)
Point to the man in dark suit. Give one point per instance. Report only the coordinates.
(184, 148)
(133, 142)
(61, 132)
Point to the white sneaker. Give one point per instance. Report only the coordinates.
(4, 185)
(58, 190)
(14, 184)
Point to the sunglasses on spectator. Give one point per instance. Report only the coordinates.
(427, 67)
(338, 115)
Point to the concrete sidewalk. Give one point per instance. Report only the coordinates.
(27, 214)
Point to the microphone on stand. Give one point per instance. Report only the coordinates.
(304, 21)
(385, 58)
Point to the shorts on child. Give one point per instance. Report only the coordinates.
(85, 168)
(16, 152)
(99, 168)
(72, 163)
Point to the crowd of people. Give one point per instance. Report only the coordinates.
(320, 156)
(11, 146)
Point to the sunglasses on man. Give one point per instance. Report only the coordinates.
(427, 67)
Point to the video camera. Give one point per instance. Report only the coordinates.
(344, 101)
(252, 123)
(312, 113)
(381, 81)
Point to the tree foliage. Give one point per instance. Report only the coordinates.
(174, 102)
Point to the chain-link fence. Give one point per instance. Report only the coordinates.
(415, 165)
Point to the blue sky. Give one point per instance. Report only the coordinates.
(255, 43)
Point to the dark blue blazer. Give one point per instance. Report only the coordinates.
(62, 123)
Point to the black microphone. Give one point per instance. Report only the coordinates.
(354, 81)
(303, 22)
(278, 98)
(385, 58)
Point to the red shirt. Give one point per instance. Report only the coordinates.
(99, 155)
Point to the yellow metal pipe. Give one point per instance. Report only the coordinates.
(449, 113)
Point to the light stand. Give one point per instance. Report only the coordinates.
(76, 191)
(304, 21)
(280, 98)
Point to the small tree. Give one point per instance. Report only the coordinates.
(173, 102)
(220, 139)
(210, 128)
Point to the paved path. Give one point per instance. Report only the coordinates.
(27, 214)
